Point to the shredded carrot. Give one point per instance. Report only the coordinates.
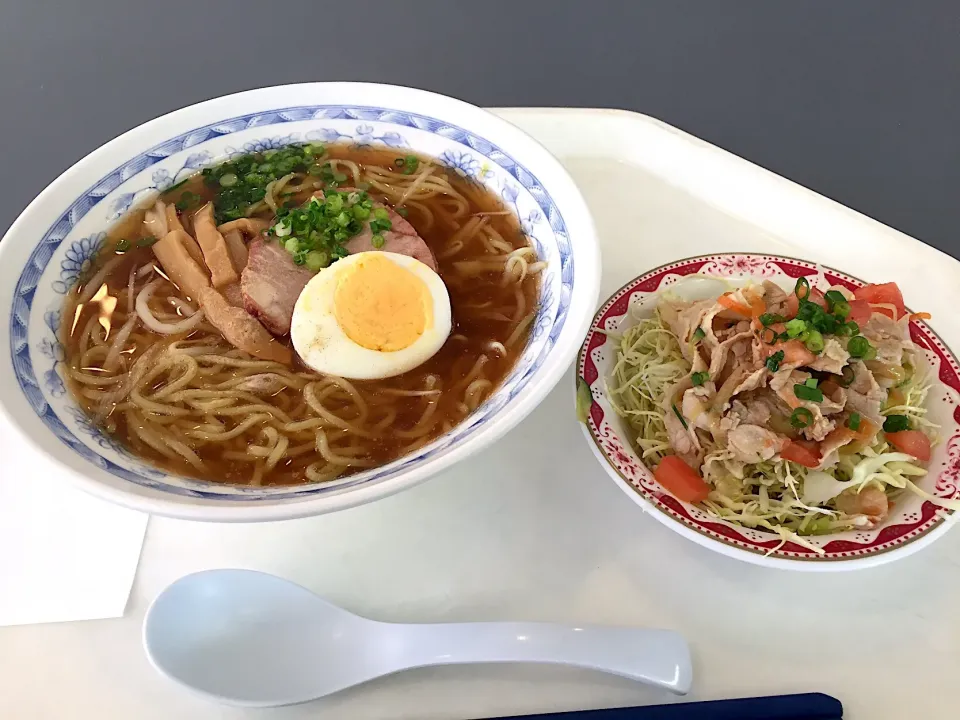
(738, 307)
(757, 307)
(920, 316)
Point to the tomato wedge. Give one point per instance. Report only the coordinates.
(860, 312)
(681, 480)
(883, 294)
(794, 352)
(911, 442)
(802, 452)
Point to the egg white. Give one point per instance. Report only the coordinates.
(326, 348)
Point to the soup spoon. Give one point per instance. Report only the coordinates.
(251, 639)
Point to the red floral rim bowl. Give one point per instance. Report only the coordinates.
(913, 522)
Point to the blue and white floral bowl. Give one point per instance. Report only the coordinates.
(52, 242)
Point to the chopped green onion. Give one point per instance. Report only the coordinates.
(833, 297)
(841, 309)
(773, 362)
(769, 336)
(859, 347)
(377, 241)
(854, 421)
(123, 245)
(847, 376)
(317, 260)
(315, 149)
(228, 180)
(680, 417)
(339, 177)
(802, 288)
(811, 382)
(381, 213)
(146, 241)
(896, 423)
(187, 199)
(410, 164)
(795, 327)
(771, 318)
(871, 353)
(699, 378)
(698, 334)
(291, 245)
(360, 212)
(801, 418)
(401, 211)
(805, 392)
(814, 341)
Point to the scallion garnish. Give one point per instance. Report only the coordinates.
(801, 418)
(773, 362)
(409, 164)
(795, 327)
(833, 297)
(847, 376)
(315, 233)
(123, 245)
(699, 378)
(859, 347)
(187, 199)
(802, 288)
(853, 422)
(680, 417)
(896, 423)
(771, 318)
(698, 335)
(805, 392)
(814, 341)
(146, 241)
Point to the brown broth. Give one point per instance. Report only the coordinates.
(471, 337)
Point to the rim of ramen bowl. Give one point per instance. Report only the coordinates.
(58, 198)
(651, 284)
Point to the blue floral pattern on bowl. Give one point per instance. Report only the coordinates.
(77, 261)
(64, 254)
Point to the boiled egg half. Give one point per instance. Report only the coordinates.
(371, 315)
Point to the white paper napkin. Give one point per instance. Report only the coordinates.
(64, 555)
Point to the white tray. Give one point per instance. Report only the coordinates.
(533, 529)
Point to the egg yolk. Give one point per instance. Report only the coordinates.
(381, 305)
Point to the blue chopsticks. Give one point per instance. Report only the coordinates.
(810, 706)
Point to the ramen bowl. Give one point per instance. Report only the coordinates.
(53, 243)
(913, 522)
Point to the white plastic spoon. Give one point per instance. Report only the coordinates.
(252, 639)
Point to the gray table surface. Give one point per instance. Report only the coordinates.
(858, 100)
